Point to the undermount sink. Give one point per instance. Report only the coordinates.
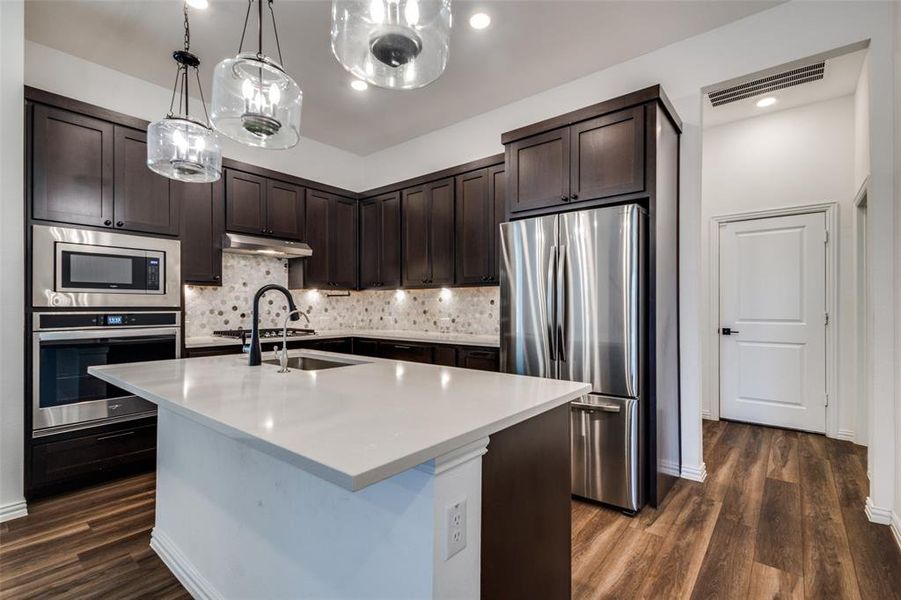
(308, 363)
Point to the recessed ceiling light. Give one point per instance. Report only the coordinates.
(479, 21)
(764, 102)
(359, 85)
(201, 4)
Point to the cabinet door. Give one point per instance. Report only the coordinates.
(607, 155)
(365, 347)
(390, 241)
(315, 268)
(245, 198)
(72, 167)
(202, 208)
(481, 359)
(415, 243)
(419, 353)
(441, 232)
(538, 170)
(343, 240)
(284, 210)
(141, 198)
(473, 231)
(497, 202)
(370, 243)
(445, 356)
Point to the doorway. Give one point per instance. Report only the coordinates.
(773, 318)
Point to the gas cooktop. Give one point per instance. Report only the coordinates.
(270, 333)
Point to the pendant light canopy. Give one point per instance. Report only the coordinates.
(395, 44)
(255, 101)
(179, 147)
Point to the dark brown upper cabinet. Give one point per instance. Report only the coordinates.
(331, 231)
(141, 198)
(607, 155)
(380, 241)
(497, 198)
(538, 169)
(427, 216)
(261, 206)
(72, 167)
(245, 197)
(590, 160)
(474, 224)
(202, 208)
(284, 210)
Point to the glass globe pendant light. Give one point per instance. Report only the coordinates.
(395, 44)
(179, 147)
(254, 101)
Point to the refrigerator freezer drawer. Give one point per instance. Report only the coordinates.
(605, 454)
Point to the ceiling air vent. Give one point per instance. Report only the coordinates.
(765, 85)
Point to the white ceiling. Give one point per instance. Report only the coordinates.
(529, 47)
(839, 79)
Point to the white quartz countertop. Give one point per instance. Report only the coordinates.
(466, 339)
(353, 425)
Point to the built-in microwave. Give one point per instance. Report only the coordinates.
(84, 267)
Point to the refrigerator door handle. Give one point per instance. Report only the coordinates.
(611, 408)
(550, 306)
(561, 302)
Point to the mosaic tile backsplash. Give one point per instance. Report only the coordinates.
(457, 310)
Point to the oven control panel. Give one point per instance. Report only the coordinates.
(91, 320)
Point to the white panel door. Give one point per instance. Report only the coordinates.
(773, 299)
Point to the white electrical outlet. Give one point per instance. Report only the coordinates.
(455, 528)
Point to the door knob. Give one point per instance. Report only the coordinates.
(729, 331)
(119, 224)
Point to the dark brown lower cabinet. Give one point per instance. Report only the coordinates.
(526, 518)
(481, 359)
(78, 458)
(409, 351)
(445, 356)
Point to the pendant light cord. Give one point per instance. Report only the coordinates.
(260, 53)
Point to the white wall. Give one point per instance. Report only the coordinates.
(795, 157)
(61, 73)
(12, 258)
(862, 125)
(896, 513)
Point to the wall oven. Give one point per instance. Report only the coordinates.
(84, 267)
(65, 344)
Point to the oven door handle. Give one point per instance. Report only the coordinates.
(93, 334)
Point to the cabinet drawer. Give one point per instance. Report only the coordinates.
(445, 356)
(403, 351)
(482, 359)
(57, 462)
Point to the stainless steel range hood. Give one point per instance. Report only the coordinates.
(251, 244)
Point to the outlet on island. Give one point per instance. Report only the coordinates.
(455, 530)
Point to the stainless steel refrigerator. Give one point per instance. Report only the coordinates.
(572, 307)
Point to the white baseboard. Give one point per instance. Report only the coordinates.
(896, 528)
(196, 584)
(706, 414)
(845, 434)
(877, 514)
(698, 473)
(13, 510)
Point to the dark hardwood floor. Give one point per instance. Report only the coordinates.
(780, 515)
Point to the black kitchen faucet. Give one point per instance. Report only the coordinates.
(256, 354)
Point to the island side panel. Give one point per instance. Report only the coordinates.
(233, 522)
(526, 539)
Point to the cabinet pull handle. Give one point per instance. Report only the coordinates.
(481, 354)
(115, 435)
(565, 198)
(575, 196)
(400, 347)
(120, 224)
(216, 278)
(107, 222)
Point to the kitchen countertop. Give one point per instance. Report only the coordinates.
(465, 339)
(354, 425)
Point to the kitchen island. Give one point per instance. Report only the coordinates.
(364, 480)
